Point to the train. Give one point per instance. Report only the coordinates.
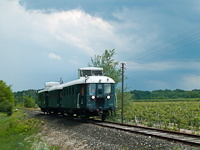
(92, 94)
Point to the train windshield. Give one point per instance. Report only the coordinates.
(92, 89)
(100, 89)
(107, 89)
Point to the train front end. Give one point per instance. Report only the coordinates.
(99, 92)
(101, 96)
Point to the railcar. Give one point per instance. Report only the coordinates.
(92, 94)
(43, 96)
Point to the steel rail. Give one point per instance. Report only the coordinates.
(174, 136)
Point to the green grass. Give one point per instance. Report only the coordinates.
(18, 133)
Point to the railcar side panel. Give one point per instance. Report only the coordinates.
(43, 100)
(55, 99)
(70, 96)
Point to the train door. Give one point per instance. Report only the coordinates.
(100, 101)
(81, 97)
(46, 99)
(60, 98)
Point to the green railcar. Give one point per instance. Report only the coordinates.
(91, 95)
(43, 100)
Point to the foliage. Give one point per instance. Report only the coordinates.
(19, 96)
(5, 92)
(6, 98)
(109, 65)
(165, 94)
(110, 69)
(6, 107)
(127, 98)
(18, 132)
(28, 101)
(167, 115)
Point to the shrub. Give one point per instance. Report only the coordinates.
(6, 107)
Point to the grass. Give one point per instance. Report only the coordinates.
(17, 132)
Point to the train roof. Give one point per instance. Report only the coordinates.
(59, 87)
(82, 80)
(49, 86)
(89, 80)
(44, 90)
(90, 68)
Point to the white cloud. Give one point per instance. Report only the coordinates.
(54, 56)
(73, 28)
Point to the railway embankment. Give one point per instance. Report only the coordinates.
(70, 134)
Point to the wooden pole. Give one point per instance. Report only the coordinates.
(122, 113)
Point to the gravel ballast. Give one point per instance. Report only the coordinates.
(70, 134)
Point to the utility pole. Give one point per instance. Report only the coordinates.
(122, 113)
(23, 98)
(35, 98)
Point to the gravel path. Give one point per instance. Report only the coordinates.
(69, 134)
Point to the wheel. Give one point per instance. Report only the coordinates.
(103, 117)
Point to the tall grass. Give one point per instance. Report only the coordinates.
(17, 132)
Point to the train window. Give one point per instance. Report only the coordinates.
(107, 88)
(100, 90)
(92, 89)
(70, 91)
(97, 72)
(65, 91)
(73, 90)
(86, 72)
(60, 94)
(82, 90)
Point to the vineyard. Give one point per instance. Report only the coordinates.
(178, 116)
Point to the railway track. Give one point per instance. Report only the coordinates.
(185, 138)
(189, 139)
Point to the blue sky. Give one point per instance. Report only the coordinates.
(41, 41)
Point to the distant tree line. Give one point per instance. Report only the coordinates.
(27, 98)
(165, 94)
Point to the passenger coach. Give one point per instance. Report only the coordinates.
(92, 94)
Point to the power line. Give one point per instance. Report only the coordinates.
(179, 41)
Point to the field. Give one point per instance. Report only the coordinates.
(18, 132)
(179, 116)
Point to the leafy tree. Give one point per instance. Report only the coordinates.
(5, 92)
(109, 65)
(6, 98)
(28, 101)
(19, 95)
(6, 107)
(110, 69)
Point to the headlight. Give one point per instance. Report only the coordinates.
(93, 97)
(108, 97)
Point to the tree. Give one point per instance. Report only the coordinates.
(109, 65)
(5, 92)
(6, 98)
(110, 69)
(28, 101)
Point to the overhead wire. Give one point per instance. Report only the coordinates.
(179, 41)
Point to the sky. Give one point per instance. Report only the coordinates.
(42, 41)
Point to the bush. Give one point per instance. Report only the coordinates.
(6, 107)
(28, 101)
